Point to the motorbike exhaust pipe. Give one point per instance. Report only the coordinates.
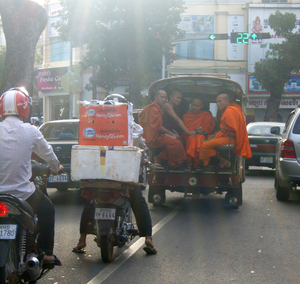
(33, 267)
(121, 240)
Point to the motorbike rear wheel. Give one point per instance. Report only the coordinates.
(9, 273)
(107, 247)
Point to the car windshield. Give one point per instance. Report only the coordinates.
(60, 131)
(261, 129)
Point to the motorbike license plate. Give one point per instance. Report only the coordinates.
(58, 178)
(8, 232)
(267, 160)
(105, 214)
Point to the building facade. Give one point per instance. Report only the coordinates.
(61, 82)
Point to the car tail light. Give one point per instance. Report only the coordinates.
(288, 149)
(3, 209)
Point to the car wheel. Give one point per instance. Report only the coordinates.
(282, 193)
(156, 195)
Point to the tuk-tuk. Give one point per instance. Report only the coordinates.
(213, 180)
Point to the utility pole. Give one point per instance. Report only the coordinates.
(71, 83)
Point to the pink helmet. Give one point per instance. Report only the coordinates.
(15, 101)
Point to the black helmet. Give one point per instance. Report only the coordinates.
(116, 98)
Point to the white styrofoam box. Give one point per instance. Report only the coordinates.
(118, 163)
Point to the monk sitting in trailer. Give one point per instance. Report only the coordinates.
(156, 135)
(232, 131)
(203, 123)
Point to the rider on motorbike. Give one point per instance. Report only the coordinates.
(17, 142)
(138, 205)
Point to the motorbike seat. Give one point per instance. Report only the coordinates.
(26, 207)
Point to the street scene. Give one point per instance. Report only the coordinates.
(149, 141)
(198, 240)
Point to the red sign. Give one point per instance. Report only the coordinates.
(50, 79)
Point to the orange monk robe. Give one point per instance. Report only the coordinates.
(151, 121)
(234, 104)
(193, 143)
(232, 124)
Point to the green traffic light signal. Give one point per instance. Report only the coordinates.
(218, 36)
(243, 37)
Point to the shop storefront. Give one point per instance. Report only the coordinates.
(56, 101)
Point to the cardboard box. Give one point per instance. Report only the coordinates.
(105, 134)
(103, 162)
(104, 113)
(105, 124)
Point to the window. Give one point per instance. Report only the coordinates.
(60, 131)
(196, 45)
(59, 50)
(296, 129)
(274, 1)
(195, 49)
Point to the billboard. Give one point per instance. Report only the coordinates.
(50, 79)
(292, 86)
(259, 23)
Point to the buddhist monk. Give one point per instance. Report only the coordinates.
(156, 135)
(203, 123)
(173, 112)
(232, 131)
(232, 102)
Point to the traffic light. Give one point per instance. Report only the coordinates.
(243, 37)
(218, 36)
(240, 37)
(260, 35)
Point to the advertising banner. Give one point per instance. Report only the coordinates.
(291, 87)
(235, 51)
(290, 103)
(259, 23)
(50, 79)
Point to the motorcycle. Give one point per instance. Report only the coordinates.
(113, 224)
(20, 260)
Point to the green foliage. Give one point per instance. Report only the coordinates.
(272, 74)
(121, 37)
(282, 24)
(280, 61)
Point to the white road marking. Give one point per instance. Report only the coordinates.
(111, 268)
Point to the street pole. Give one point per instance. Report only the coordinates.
(163, 65)
(71, 82)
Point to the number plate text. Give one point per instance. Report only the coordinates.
(8, 232)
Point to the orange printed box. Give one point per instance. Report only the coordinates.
(104, 113)
(104, 134)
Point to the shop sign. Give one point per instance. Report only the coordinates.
(50, 79)
(292, 86)
(262, 103)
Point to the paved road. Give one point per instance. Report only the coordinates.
(199, 241)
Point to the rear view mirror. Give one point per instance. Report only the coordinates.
(275, 130)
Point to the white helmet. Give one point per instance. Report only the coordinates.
(15, 101)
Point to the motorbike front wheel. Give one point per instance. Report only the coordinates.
(9, 273)
(107, 247)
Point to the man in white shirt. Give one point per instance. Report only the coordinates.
(17, 142)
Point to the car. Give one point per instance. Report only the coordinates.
(263, 137)
(61, 135)
(287, 173)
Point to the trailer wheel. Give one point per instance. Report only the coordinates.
(234, 196)
(156, 195)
